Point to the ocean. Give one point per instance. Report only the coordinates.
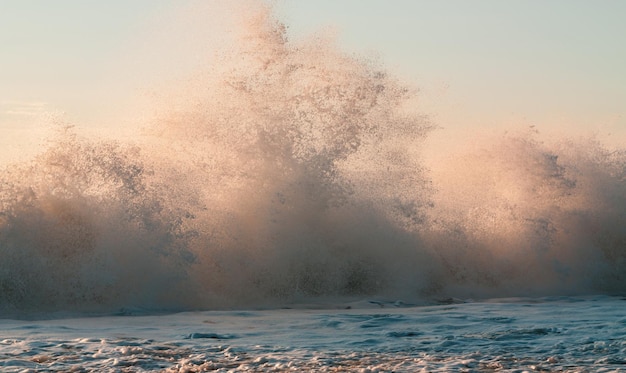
(556, 334)
(277, 213)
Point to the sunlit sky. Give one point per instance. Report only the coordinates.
(479, 64)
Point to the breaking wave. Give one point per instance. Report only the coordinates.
(288, 171)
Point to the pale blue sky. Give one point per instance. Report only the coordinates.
(487, 63)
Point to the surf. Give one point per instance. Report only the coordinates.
(287, 171)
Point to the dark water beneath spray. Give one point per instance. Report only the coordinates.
(289, 171)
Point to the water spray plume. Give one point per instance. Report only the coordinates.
(285, 171)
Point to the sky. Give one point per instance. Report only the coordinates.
(488, 64)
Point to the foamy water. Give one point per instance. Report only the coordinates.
(288, 172)
(564, 334)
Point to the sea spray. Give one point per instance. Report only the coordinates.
(523, 215)
(288, 171)
(271, 184)
(80, 229)
(298, 143)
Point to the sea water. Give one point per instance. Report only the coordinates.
(558, 334)
(289, 173)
